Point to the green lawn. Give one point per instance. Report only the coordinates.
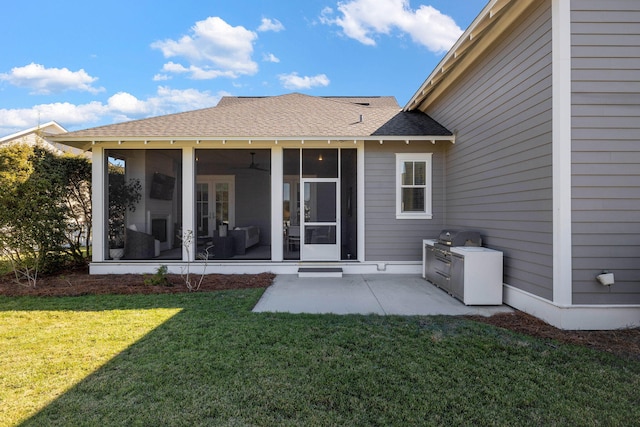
(205, 359)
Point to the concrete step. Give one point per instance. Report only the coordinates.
(320, 272)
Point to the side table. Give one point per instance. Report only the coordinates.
(222, 247)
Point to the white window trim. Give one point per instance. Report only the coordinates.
(414, 157)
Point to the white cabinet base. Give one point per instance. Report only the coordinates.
(482, 269)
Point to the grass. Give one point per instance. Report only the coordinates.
(205, 359)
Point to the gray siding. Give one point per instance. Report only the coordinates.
(388, 238)
(499, 171)
(606, 149)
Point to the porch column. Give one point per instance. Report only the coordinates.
(188, 201)
(361, 202)
(98, 217)
(277, 228)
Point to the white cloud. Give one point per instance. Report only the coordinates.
(271, 25)
(45, 81)
(124, 102)
(166, 101)
(119, 107)
(214, 49)
(14, 120)
(293, 81)
(197, 73)
(363, 20)
(161, 77)
(270, 57)
(170, 100)
(172, 67)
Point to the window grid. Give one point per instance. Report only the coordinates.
(413, 191)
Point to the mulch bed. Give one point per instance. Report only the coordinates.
(623, 342)
(81, 283)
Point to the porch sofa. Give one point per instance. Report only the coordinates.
(244, 238)
(139, 245)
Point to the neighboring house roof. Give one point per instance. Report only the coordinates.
(50, 128)
(287, 116)
(42, 134)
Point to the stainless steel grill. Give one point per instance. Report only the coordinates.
(444, 268)
(449, 238)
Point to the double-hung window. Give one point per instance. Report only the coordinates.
(413, 186)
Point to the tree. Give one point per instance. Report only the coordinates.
(123, 196)
(74, 177)
(69, 179)
(44, 207)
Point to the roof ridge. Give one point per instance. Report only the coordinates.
(344, 100)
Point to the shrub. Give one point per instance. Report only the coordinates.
(159, 278)
(44, 209)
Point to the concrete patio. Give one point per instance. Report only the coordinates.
(382, 294)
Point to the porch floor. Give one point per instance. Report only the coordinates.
(382, 294)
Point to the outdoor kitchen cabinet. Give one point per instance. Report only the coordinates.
(472, 274)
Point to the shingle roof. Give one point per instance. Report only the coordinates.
(292, 115)
(373, 101)
(411, 123)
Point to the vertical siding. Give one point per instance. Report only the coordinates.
(499, 171)
(388, 238)
(606, 149)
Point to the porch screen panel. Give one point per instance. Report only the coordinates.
(236, 216)
(319, 163)
(144, 204)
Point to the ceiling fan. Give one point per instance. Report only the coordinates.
(254, 165)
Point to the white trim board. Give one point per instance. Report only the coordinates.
(574, 317)
(561, 147)
(252, 267)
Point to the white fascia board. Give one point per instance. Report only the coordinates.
(466, 38)
(199, 140)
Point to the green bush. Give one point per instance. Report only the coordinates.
(159, 278)
(45, 209)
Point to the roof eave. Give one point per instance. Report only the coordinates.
(482, 32)
(86, 143)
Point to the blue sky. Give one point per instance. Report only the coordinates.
(86, 64)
